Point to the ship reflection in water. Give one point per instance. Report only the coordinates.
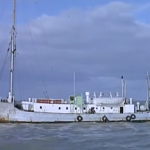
(75, 136)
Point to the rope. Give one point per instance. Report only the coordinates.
(32, 42)
(4, 64)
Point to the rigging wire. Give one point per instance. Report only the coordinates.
(19, 84)
(32, 41)
(2, 46)
(139, 89)
(3, 43)
(46, 40)
(21, 90)
(17, 73)
(1, 14)
(4, 63)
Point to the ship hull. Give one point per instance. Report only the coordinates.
(10, 114)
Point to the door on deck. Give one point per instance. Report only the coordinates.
(121, 110)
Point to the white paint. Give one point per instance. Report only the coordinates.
(104, 109)
(108, 100)
(117, 94)
(28, 106)
(62, 108)
(94, 95)
(128, 108)
(56, 108)
(138, 105)
(87, 94)
(101, 94)
(130, 101)
(101, 105)
(30, 99)
(71, 108)
(142, 107)
(110, 94)
(9, 98)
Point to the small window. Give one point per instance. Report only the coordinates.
(103, 107)
(111, 107)
(66, 108)
(96, 108)
(84, 108)
(59, 108)
(40, 107)
(75, 108)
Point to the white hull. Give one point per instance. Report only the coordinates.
(8, 113)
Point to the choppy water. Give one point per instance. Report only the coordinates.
(76, 136)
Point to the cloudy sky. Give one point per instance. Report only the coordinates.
(100, 40)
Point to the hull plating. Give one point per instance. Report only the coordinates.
(8, 113)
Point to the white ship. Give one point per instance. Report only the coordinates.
(75, 109)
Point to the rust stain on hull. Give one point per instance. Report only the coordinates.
(4, 120)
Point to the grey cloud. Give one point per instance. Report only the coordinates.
(106, 41)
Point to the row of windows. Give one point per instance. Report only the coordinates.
(60, 108)
(104, 108)
(75, 108)
(67, 108)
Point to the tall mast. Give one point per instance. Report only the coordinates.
(12, 54)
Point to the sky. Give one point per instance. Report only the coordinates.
(99, 40)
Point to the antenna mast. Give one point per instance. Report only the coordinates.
(122, 83)
(148, 92)
(74, 85)
(12, 54)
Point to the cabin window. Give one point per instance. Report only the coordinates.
(40, 107)
(75, 108)
(111, 107)
(96, 108)
(103, 107)
(66, 108)
(59, 108)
